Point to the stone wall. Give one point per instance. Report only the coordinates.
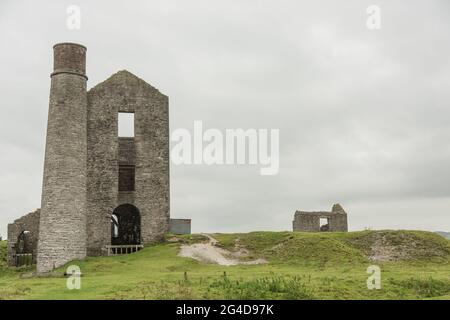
(307, 221)
(127, 151)
(63, 217)
(148, 151)
(83, 155)
(127, 165)
(30, 223)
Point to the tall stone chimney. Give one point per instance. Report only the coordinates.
(62, 235)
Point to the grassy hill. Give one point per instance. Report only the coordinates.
(414, 265)
(328, 249)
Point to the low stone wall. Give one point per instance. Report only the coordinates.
(29, 223)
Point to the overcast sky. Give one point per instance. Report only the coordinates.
(364, 115)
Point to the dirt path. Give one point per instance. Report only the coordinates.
(209, 252)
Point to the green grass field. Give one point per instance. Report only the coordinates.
(301, 266)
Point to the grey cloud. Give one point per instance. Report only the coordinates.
(363, 115)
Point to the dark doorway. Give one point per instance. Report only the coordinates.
(24, 249)
(125, 225)
(24, 243)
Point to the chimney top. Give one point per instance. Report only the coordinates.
(69, 58)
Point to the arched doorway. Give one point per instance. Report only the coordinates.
(125, 225)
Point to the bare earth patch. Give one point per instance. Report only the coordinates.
(209, 252)
(382, 250)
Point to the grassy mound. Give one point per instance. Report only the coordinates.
(389, 245)
(301, 266)
(325, 249)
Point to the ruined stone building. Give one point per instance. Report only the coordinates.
(99, 189)
(317, 221)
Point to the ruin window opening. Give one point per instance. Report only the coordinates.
(126, 125)
(127, 178)
(324, 224)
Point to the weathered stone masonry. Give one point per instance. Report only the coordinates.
(84, 205)
(62, 230)
(148, 153)
(336, 220)
(25, 230)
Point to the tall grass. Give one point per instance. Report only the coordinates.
(275, 287)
